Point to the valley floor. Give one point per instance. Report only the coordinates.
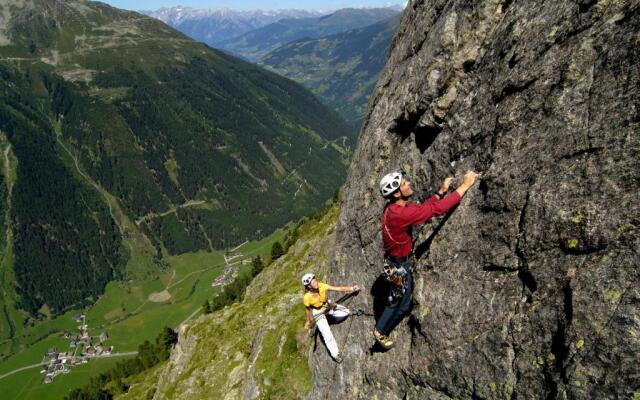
(130, 312)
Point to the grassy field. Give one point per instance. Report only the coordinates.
(262, 247)
(28, 384)
(130, 312)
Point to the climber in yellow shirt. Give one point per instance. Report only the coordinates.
(317, 307)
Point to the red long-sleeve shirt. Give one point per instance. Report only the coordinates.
(397, 221)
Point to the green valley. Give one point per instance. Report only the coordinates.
(133, 158)
(130, 312)
(341, 69)
(126, 142)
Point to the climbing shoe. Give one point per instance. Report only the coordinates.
(338, 359)
(383, 340)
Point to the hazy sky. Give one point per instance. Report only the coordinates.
(251, 4)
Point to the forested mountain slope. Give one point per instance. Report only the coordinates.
(342, 69)
(122, 138)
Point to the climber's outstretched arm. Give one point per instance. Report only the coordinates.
(308, 319)
(468, 181)
(355, 288)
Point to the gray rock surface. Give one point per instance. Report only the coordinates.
(529, 289)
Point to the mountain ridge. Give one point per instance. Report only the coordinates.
(215, 25)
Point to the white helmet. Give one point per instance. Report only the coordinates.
(390, 183)
(307, 278)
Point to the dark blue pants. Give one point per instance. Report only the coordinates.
(399, 308)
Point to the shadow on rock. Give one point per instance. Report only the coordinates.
(380, 292)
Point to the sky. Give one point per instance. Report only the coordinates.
(251, 4)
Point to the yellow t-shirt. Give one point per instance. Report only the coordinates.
(316, 299)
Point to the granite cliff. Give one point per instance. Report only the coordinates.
(529, 289)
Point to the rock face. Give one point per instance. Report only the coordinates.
(529, 289)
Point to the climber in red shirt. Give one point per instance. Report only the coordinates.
(398, 218)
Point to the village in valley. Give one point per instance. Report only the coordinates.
(230, 273)
(83, 347)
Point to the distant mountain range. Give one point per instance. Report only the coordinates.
(122, 140)
(213, 26)
(255, 44)
(341, 69)
(253, 34)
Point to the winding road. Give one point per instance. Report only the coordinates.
(39, 365)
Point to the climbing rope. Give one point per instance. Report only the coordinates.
(358, 313)
(346, 297)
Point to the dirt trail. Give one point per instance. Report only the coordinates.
(190, 203)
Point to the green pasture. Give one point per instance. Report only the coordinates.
(129, 316)
(189, 264)
(262, 247)
(29, 384)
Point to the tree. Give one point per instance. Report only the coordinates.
(256, 265)
(336, 196)
(290, 238)
(206, 307)
(276, 251)
(165, 341)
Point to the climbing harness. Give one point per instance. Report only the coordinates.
(324, 309)
(396, 275)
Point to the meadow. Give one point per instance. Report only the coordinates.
(130, 312)
(28, 384)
